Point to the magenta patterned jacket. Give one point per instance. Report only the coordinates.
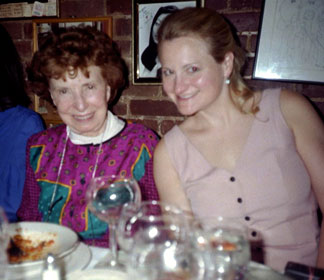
(128, 153)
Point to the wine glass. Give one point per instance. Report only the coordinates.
(224, 245)
(105, 197)
(155, 237)
(4, 240)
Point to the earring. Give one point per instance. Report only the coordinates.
(227, 81)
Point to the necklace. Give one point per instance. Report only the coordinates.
(53, 202)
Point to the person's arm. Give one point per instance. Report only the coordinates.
(308, 130)
(34, 124)
(147, 184)
(29, 124)
(167, 179)
(28, 210)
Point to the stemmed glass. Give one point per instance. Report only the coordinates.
(4, 240)
(155, 238)
(105, 197)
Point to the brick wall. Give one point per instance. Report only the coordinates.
(148, 104)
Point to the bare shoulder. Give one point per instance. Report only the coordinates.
(299, 113)
(291, 100)
(295, 107)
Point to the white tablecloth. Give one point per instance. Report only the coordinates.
(100, 255)
(256, 271)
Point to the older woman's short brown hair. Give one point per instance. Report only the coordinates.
(75, 49)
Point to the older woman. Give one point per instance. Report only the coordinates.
(81, 70)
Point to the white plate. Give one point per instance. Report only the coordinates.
(97, 274)
(65, 239)
(77, 260)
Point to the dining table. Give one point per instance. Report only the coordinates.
(256, 271)
(86, 261)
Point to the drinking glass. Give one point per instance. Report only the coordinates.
(105, 197)
(224, 246)
(155, 237)
(134, 217)
(4, 240)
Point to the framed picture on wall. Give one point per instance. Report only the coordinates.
(41, 29)
(28, 9)
(147, 17)
(291, 41)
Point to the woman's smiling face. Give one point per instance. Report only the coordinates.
(82, 102)
(191, 76)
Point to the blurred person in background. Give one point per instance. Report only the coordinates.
(17, 124)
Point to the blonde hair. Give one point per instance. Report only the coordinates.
(216, 32)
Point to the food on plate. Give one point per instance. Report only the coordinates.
(29, 246)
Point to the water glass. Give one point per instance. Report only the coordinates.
(135, 217)
(156, 238)
(224, 246)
